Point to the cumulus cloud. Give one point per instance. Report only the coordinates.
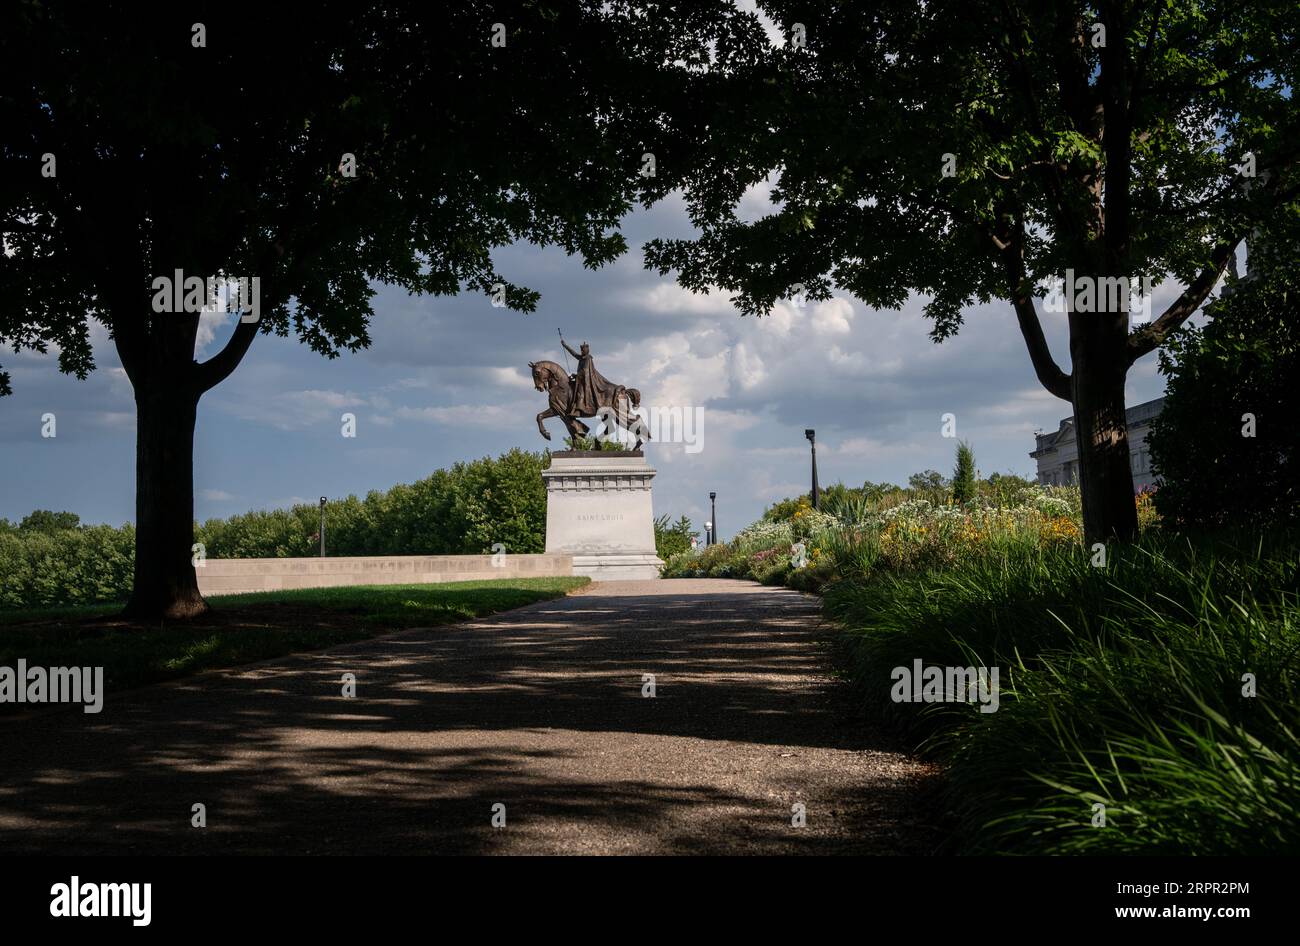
(464, 415)
(299, 410)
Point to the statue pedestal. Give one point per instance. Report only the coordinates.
(598, 510)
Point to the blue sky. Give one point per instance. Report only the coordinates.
(446, 379)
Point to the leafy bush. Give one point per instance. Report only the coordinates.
(764, 534)
(499, 501)
(1001, 489)
(49, 559)
(879, 527)
(87, 565)
(963, 476)
(1235, 376)
(605, 445)
(713, 561)
(893, 531)
(465, 510)
(672, 538)
(44, 520)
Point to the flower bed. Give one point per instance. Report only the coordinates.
(806, 548)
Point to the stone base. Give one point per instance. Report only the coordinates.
(598, 510)
(614, 566)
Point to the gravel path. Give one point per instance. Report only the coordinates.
(539, 709)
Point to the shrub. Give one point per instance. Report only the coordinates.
(465, 510)
(1236, 375)
(672, 538)
(963, 476)
(499, 501)
(88, 565)
(48, 559)
(44, 520)
(894, 531)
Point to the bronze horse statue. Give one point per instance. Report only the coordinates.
(586, 394)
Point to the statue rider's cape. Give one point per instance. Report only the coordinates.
(590, 389)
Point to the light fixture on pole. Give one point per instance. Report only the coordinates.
(713, 503)
(322, 527)
(812, 442)
(708, 534)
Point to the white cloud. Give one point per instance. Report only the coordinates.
(756, 202)
(747, 368)
(298, 410)
(668, 297)
(467, 415)
(116, 420)
(209, 323)
(510, 378)
(832, 317)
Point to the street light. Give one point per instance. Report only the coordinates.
(713, 502)
(322, 527)
(708, 534)
(816, 493)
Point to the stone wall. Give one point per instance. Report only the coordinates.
(240, 575)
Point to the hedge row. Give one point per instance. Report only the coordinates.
(70, 566)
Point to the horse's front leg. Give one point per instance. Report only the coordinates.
(541, 417)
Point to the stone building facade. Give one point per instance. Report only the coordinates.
(1057, 453)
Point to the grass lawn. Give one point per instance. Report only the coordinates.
(247, 628)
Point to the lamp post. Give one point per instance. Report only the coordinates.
(322, 527)
(708, 534)
(812, 442)
(713, 503)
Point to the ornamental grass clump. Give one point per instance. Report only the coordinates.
(1149, 705)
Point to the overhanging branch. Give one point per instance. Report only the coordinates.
(1147, 339)
(220, 366)
(1049, 373)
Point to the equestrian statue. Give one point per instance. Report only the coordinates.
(586, 393)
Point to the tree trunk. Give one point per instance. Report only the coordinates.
(157, 353)
(1097, 348)
(165, 582)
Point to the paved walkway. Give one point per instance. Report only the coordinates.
(539, 709)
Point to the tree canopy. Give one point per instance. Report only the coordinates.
(973, 151)
(375, 142)
(228, 157)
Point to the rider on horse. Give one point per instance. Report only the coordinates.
(590, 388)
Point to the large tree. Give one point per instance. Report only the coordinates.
(972, 150)
(394, 142)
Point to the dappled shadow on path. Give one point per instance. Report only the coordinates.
(540, 710)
